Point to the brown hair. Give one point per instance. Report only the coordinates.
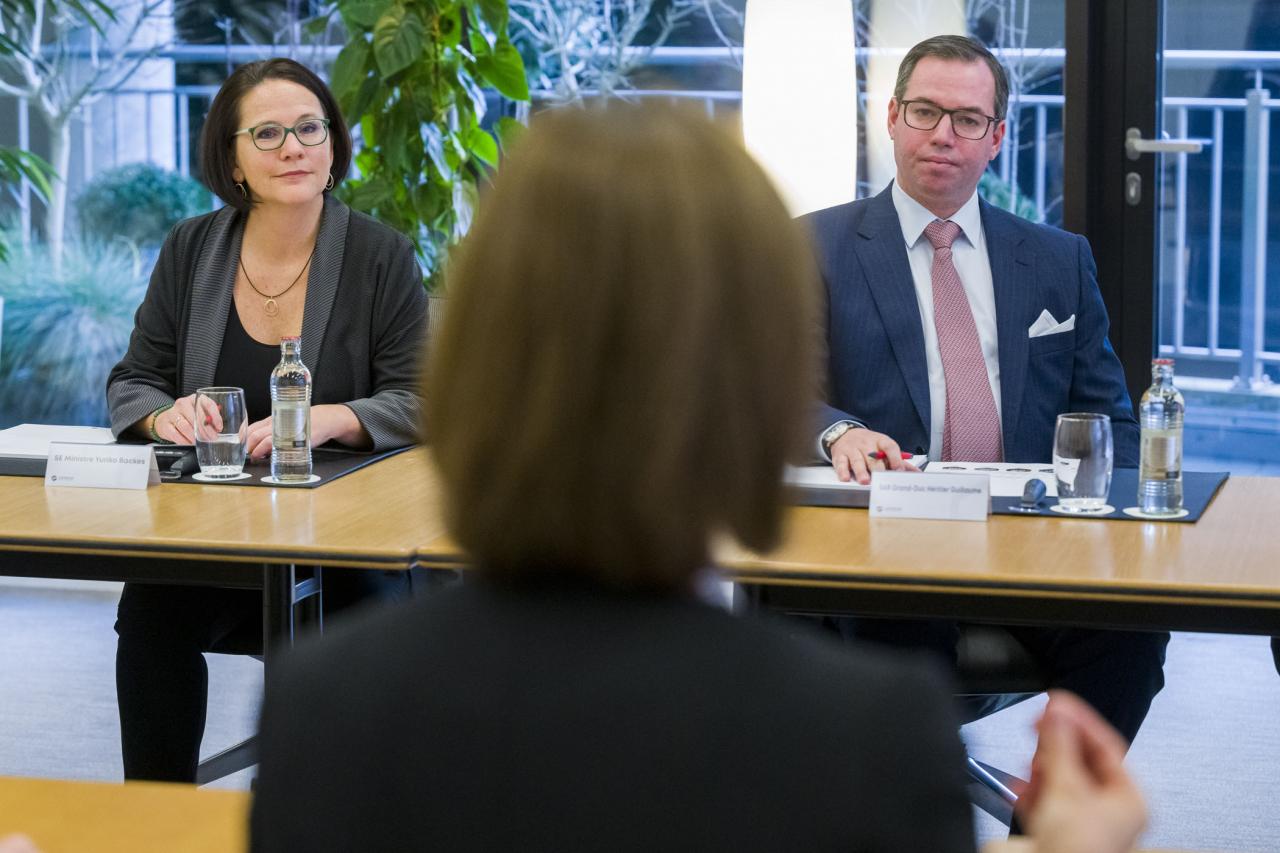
(627, 353)
(960, 49)
(218, 135)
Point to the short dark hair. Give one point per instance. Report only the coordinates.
(630, 346)
(959, 48)
(223, 120)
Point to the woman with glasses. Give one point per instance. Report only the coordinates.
(282, 258)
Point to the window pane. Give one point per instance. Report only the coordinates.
(1216, 314)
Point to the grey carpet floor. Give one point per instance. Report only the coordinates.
(1208, 757)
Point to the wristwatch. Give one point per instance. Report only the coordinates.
(832, 433)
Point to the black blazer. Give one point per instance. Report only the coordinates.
(498, 719)
(364, 321)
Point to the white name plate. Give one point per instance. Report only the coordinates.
(101, 466)
(954, 497)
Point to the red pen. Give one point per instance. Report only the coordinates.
(881, 455)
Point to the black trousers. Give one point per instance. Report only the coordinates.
(1119, 673)
(162, 681)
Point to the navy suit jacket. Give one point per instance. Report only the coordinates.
(876, 360)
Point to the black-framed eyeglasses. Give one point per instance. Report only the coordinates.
(925, 115)
(271, 135)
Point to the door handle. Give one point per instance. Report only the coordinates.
(1135, 146)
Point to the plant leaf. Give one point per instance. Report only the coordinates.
(509, 131)
(483, 145)
(370, 194)
(317, 25)
(16, 164)
(91, 11)
(363, 98)
(350, 69)
(504, 70)
(493, 14)
(397, 40)
(363, 14)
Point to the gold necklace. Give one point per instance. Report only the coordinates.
(271, 308)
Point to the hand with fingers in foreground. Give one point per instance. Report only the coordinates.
(18, 844)
(1080, 798)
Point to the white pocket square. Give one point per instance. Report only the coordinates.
(1045, 324)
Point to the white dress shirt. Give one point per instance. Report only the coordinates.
(969, 254)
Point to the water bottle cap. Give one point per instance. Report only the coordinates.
(291, 338)
(1163, 361)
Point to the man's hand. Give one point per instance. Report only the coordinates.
(1080, 799)
(851, 455)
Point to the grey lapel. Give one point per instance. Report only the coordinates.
(213, 281)
(883, 256)
(1011, 275)
(322, 281)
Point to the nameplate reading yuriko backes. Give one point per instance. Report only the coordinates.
(952, 497)
(101, 466)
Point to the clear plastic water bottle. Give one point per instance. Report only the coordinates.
(291, 414)
(1160, 416)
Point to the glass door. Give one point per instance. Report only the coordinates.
(1218, 213)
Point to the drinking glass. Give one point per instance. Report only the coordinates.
(1082, 457)
(221, 429)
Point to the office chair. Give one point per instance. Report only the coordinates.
(994, 671)
(306, 612)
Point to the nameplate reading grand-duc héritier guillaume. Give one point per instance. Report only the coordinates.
(953, 497)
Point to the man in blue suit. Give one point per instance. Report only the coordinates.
(960, 331)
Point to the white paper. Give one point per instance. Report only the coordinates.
(1008, 479)
(818, 477)
(31, 441)
(824, 476)
(95, 466)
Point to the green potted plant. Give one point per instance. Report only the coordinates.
(411, 82)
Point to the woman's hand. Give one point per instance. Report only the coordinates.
(17, 844)
(329, 422)
(174, 423)
(1080, 799)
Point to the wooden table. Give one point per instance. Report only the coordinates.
(1221, 574)
(224, 535)
(137, 817)
(372, 518)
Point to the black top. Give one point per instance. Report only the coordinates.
(246, 363)
(492, 719)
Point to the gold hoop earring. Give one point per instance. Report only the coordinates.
(243, 193)
(329, 183)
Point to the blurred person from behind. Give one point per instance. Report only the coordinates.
(629, 336)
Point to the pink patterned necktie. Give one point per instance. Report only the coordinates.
(970, 428)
